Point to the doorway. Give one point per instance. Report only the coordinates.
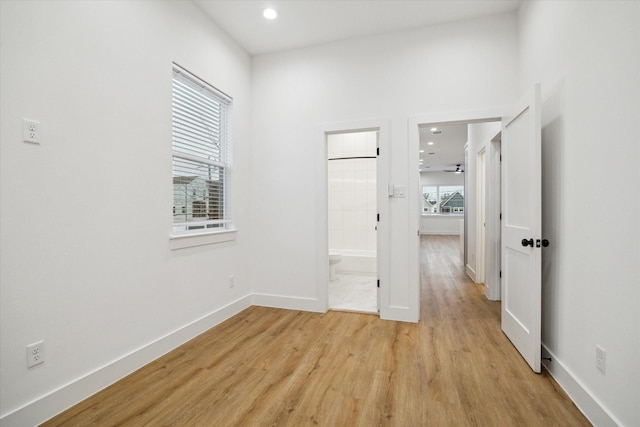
(519, 133)
(482, 128)
(352, 206)
(442, 180)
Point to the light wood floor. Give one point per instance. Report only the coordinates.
(271, 367)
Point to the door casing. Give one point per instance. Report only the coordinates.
(382, 171)
(481, 194)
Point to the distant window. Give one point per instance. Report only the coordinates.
(430, 199)
(201, 155)
(443, 199)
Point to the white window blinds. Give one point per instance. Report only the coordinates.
(201, 137)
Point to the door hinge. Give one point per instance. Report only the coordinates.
(500, 273)
(500, 157)
(377, 151)
(378, 218)
(500, 216)
(378, 282)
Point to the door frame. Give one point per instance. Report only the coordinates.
(493, 210)
(481, 215)
(413, 188)
(382, 126)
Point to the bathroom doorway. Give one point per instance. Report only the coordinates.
(352, 213)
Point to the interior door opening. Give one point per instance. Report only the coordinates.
(518, 139)
(464, 152)
(352, 212)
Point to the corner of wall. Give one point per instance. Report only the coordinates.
(51, 404)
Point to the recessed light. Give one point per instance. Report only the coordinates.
(422, 151)
(434, 129)
(430, 143)
(270, 13)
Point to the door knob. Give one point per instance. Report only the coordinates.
(545, 243)
(526, 242)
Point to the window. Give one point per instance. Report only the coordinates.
(201, 136)
(443, 199)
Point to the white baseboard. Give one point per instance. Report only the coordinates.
(57, 401)
(491, 294)
(440, 233)
(471, 273)
(595, 412)
(289, 303)
(400, 314)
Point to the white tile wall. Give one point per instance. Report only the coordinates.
(352, 191)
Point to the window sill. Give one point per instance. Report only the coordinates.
(182, 241)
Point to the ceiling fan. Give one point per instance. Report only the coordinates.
(456, 170)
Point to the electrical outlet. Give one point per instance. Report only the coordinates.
(35, 354)
(31, 131)
(232, 281)
(601, 359)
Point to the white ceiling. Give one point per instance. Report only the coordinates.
(311, 22)
(447, 150)
(306, 22)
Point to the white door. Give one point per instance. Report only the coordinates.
(521, 227)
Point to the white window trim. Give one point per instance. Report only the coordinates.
(202, 237)
(439, 215)
(182, 241)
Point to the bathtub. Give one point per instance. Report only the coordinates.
(356, 261)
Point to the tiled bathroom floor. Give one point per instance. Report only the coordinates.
(353, 293)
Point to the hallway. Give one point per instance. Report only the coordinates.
(273, 367)
(486, 378)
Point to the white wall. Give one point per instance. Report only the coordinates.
(86, 215)
(101, 285)
(587, 57)
(480, 135)
(467, 65)
(440, 224)
(446, 225)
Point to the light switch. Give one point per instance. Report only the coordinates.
(399, 190)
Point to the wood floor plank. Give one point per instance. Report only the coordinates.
(272, 367)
